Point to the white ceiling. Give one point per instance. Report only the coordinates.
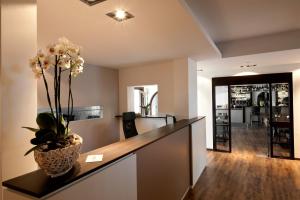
(274, 62)
(161, 29)
(227, 20)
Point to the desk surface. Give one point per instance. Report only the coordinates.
(37, 184)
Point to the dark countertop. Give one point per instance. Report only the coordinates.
(38, 184)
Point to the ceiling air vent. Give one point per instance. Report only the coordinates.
(92, 2)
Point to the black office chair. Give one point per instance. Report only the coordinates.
(129, 124)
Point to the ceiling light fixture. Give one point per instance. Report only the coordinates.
(92, 2)
(120, 15)
(245, 74)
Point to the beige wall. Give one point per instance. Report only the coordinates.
(181, 92)
(18, 44)
(95, 86)
(192, 87)
(172, 78)
(149, 74)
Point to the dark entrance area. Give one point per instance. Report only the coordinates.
(254, 114)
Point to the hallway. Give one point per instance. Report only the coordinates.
(242, 175)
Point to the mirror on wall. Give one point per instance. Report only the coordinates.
(80, 113)
(143, 99)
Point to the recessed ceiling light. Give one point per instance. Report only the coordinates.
(92, 2)
(120, 15)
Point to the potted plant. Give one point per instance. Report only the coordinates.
(56, 148)
(146, 109)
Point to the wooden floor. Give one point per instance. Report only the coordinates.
(254, 140)
(251, 140)
(247, 174)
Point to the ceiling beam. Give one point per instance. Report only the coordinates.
(261, 44)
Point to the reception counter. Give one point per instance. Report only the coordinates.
(160, 164)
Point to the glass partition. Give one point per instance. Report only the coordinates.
(264, 102)
(281, 139)
(222, 135)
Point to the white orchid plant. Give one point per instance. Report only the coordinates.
(61, 57)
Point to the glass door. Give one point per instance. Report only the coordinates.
(280, 124)
(222, 128)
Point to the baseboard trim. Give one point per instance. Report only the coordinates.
(189, 190)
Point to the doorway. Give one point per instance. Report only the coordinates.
(254, 114)
(250, 105)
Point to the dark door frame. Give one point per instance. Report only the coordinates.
(255, 79)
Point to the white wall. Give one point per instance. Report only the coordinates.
(116, 181)
(296, 93)
(199, 152)
(130, 98)
(192, 87)
(19, 96)
(205, 106)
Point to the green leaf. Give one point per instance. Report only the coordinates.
(43, 135)
(34, 141)
(31, 129)
(46, 121)
(30, 150)
(62, 120)
(62, 130)
(68, 131)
